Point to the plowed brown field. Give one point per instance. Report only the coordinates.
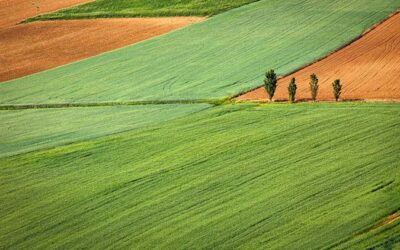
(369, 68)
(15, 11)
(33, 47)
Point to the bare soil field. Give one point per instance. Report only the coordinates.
(29, 48)
(15, 11)
(369, 69)
(34, 47)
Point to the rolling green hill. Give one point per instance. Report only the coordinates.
(33, 129)
(303, 176)
(217, 58)
(144, 8)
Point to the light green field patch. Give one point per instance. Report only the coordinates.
(33, 129)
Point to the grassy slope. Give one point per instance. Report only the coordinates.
(144, 8)
(26, 130)
(290, 176)
(220, 57)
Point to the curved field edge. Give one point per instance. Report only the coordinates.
(18, 10)
(142, 8)
(56, 43)
(360, 65)
(220, 57)
(37, 129)
(250, 176)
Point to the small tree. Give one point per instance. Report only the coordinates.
(337, 89)
(314, 86)
(292, 90)
(270, 83)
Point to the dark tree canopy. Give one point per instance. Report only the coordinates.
(270, 83)
(337, 89)
(292, 90)
(314, 86)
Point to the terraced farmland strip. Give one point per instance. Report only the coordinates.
(31, 48)
(223, 56)
(15, 11)
(144, 8)
(242, 176)
(28, 130)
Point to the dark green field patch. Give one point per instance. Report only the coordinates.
(144, 8)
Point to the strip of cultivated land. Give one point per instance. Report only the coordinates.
(369, 68)
(144, 8)
(28, 49)
(15, 11)
(34, 129)
(222, 56)
(234, 176)
(34, 47)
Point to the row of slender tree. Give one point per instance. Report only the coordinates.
(271, 82)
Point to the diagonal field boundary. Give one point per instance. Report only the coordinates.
(347, 44)
(214, 102)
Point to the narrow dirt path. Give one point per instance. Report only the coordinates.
(369, 68)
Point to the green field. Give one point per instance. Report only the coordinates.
(303, 176)
(387, 237)
(33, 129)
(217, 58)
(144, 8)
(85, 164)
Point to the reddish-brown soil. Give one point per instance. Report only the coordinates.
(390, 219)
(386, 221)
(369, 68)
(34, 47)
(37, 46)
(15, 11)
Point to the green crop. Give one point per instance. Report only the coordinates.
(304, 176)
(143, 8)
